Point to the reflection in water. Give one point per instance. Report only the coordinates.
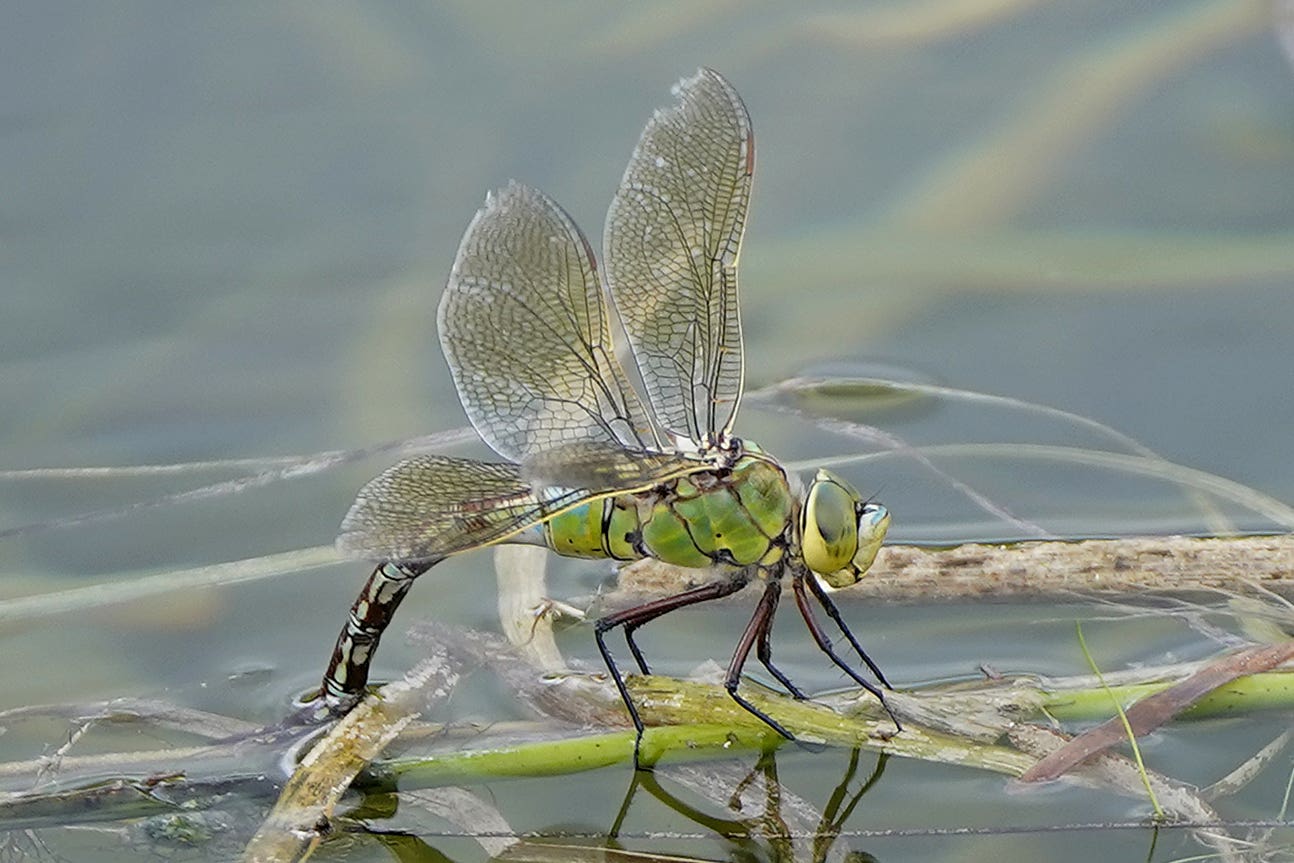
(770, 825)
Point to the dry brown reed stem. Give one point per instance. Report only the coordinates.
(1239, 565)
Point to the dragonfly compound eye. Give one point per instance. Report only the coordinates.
(829, 525)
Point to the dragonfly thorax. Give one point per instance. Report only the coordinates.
(733, 516)
(725, 450)
(722, 450)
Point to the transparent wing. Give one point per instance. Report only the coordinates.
(672, 237)
(597, 465)
(429, 506)
(523, 323)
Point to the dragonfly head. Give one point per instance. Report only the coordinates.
(840, 533)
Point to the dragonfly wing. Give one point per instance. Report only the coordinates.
(523, 323)
(596, 465)
(429, 506)
(672, 237)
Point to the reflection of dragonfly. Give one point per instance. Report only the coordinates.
(524, 325)
(755, 829)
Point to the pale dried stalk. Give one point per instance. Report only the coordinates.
(1046, 569)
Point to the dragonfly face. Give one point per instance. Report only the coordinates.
(589, 470)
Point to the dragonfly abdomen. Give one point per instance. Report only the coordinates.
(600, 529)
(347, 674)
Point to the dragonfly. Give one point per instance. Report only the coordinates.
(589, 469)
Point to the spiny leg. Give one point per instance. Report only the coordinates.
(347, 674)
(821, 638)
(632, 618)
(757, 629)
(634, 649)
(824, 643)
(764, 650)
(641, 615)
(824, 599)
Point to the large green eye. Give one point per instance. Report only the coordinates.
(829, 526)
(839, 534)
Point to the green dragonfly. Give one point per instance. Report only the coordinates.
(590, 472)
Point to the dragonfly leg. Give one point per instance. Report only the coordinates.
(632, 618)
(347, 674)
(824, 643)
(824, 599)
(640, 615)
(634, 648)
(757, 630)
(764, 650)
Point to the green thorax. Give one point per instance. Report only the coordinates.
(737, 517)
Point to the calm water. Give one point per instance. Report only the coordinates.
(225, 230)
